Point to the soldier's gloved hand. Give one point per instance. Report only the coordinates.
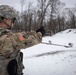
(42, 30)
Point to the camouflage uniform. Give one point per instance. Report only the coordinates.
(11, 43)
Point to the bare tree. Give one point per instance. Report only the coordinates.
(55, 6)
(48, 13)
(72, 17)
(22, 5)
(43, 5)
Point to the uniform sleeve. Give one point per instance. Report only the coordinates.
(35, 38)
(30, 38)
(18, 41)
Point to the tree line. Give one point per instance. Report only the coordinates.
(51, 14)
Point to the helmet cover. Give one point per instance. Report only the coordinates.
(7, 11)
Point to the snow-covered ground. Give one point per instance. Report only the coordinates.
(46, 59)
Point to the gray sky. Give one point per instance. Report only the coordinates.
(16, 3)
(69, 3)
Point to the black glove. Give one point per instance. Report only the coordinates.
(42, 30)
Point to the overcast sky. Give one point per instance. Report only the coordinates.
(16, 3)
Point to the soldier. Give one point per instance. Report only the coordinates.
(11, 43)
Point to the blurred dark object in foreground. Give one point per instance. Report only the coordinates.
(42, 30)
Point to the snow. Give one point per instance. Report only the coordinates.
(43, 59)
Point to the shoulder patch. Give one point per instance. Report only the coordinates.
(20, 37)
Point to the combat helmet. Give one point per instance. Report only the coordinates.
(7, 11)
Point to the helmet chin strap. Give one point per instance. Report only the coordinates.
(8, 26)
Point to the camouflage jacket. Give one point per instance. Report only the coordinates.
(9, 42)
(10, 45)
